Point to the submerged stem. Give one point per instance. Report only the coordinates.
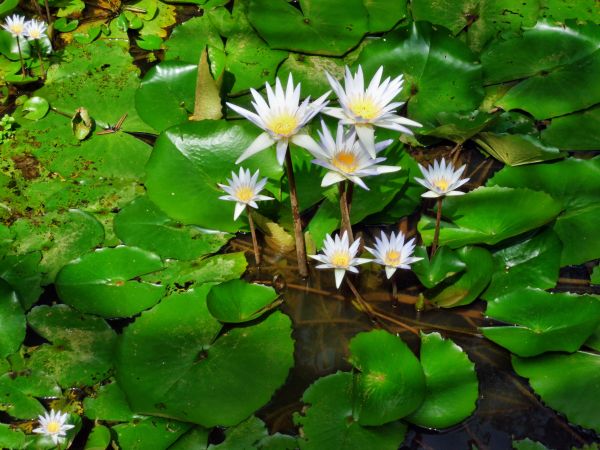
(39, 52)
(253, 233)
(48, 15)
(299, 235)
(436, 234)
(345, 210)
(21, 57)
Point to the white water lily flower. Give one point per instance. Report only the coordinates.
(441, 179)
(15, 25)
(345, 158)
(393, 253)
(373, 107)
(244, 190)
(339, 255)
(282, 118)
(54, 425)
(35, 29)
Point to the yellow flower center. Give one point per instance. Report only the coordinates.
(244, 194)
(365, 108)
(34, 34)
(345, 161)
(284, 124)
(340, 259)
(17, 28)
(53, 427)
(392, 258)
(441, 184)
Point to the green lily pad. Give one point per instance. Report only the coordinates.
(60, 237)
(246, 434)
(236, 301)
(562, 10)
(575, 183)
(390, 383)
(215, 269)
(36, 108)
(566, 383)
(106, 282)
(537, 50)
(87, 70)
(383, 15)
(593, 341)
(575, 131)
(108, 403)
(329, 423)
(445, 263)
(143, 224)
(467, 287)
(595, 277)
(189, 39)
(11, 437)
(12, 321)
(99, 438)
(528, 444)
(173, 361)
(320, 27)
(452, 386)
(532, 261)
(251, 61)
(190, 159)
(535, 94)
(515, 149)
(543, 321)
(310, 72)
(175, 84)
(515, 211)
(150, 432)
(82, 345)
(459, 127)
(441, 72)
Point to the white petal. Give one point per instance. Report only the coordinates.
(282, 148)
(307, 142)
(389, 271)
(331, 178)
(454, 193)
(239, 209)
(260, 143)
(366, 136)
(430, 194)
(339, 276)
(338, 113)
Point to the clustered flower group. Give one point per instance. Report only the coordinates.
(18, 27)
(348, 157)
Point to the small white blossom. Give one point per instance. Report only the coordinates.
(393, 253)
(282, 118)
(35, 29)
(339, 255)
(366, 109)
(244, 190)
(15, 25)
(54, 426)
(345, 158)
(441, 179)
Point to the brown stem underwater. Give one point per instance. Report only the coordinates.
(299, 235)
(436, 235)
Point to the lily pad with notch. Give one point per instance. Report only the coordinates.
(236, 301)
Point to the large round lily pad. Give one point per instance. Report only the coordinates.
(142, 224)
(173, 361)
(237, 301)
(320, 27)
(514, 211)
(569, 384)
(390, 383)
(542, 321)
(106, 282)
(452, 386)
(190, 159)
(575, 131)
(330, 423)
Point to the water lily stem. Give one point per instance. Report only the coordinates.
(253, 233)
(436, 235)
(39, 52)
(345, 210)
(48, 15)
(21, 57)
(299, 235)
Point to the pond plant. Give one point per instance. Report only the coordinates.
(440, 158)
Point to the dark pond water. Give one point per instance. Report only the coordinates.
(325, 320)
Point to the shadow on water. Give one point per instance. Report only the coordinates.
(325, 320)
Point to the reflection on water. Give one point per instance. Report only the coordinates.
(326, 319)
